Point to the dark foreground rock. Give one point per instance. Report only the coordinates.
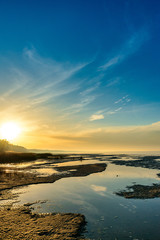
(141, 191)
(20, 223)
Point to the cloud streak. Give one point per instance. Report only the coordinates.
(129, 48)
(96, 117)
(39, 82)
(118, 106)
(145, 137)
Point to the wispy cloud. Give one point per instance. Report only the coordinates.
(52, 76)
(90, 89)
(114, 137)
(96, 117)
(77, 107)
(111, 112)
(129, 48)
(113, 82)
(87, 96)
(123, 100)
(112, 62)
(117, 107)
(31, 89)
(40, 81)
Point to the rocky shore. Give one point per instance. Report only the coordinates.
(141, 191)
(21, 223)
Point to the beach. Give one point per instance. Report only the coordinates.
(35, 226)
(58, 177)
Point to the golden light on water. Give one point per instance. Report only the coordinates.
(10, 131)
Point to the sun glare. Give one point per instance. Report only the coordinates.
(10, 131)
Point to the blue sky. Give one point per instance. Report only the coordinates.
(71, 69)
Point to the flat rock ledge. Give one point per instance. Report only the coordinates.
(21, 223)
(139, 191)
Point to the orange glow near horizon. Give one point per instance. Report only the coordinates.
(35, 135)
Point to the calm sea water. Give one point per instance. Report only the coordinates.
(108, 216)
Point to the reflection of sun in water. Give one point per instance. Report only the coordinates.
(10, 131)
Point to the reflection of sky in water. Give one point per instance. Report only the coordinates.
(129, 172)
(109, 216)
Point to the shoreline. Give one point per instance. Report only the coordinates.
(60, 226)
(18, 173)
(39, 226)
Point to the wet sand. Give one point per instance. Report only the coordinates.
(20, 223)
(138, 191)
(57, 226)
(35, 226)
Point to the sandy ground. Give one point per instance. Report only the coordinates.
(20, 223)
(138, 191)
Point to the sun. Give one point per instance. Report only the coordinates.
(10, 131)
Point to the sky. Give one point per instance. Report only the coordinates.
(81, 75)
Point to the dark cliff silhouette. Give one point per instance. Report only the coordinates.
(6, 146)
